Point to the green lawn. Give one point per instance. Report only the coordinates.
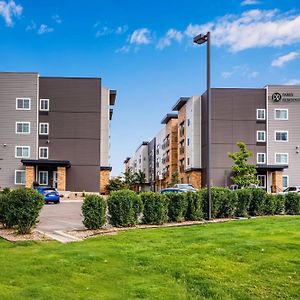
(249, 259)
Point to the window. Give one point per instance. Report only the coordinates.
(260, 114)
(44, 104)
(188, 179)
(189, 122)
(44, 128)
(260, 136)
(23, 127)
(188, 141)
(281, 158)
(43, 152)
(261, 158)
(20, 177)
(262, 181)
(181, 180)
(43, 177)
(285, 181)
(22, 151)
(188, 161)
(23, 104)
(281, 136)
(281, 114)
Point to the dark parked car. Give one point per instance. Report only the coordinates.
(172, 190)
(50, 194)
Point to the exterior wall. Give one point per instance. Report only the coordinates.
(140, 160)
(104, 128)
(292, 125)
(152, 163)
(74, 131)
(159, 155)
(104, 180)
(233, 114)
(194, 178)
(12, 86)
(182, 143)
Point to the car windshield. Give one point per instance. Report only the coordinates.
(49, 190)
(291, 189)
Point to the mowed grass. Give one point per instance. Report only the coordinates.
(247, 259)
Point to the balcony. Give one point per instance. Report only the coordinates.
(181, 132)
(181, 150)
(181, 169)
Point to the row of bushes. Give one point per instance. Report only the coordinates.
(126, 208)
(20, 209)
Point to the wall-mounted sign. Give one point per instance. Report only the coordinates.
(284, 97)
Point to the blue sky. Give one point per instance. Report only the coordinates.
(144, 50)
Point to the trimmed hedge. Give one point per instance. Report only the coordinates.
(279, 204)
(177, 206)
(244, 200)
(292, 203)
(20, 208)
(124, 207)
(155, 208)
(257, 203)
(94, 211)
(194, 210)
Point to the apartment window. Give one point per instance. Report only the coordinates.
(281, 114)
(23, 127)
(23, 103)
(188, 161)
(262, 181)
(43, 177)
(188, 141)
(22, 151)
(261, 158)
(261, 136)
(188, 179)
(260, 114)
(285, 181)
(44, 104)
(281, 136)
(189, 122)
(20, 177)
(44, 152)
(281, 158)
(181, 180)
(44, 128)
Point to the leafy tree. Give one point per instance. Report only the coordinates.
(140, 179)
(130, 178)
(174, 179)
(116, 184)
(244, 173)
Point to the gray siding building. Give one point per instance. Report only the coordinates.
(66, 133)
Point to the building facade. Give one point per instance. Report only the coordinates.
(265, 119)
(54, 131)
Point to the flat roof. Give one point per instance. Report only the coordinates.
(46, 162)
(180, 102)
(168, 117)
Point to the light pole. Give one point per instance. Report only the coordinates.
(201, 39)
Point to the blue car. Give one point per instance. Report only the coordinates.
(50, 194)
(172, 190)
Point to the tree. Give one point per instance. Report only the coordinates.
(174, 179)
(116, 184)
(130, 178)
(140, 179)
(244, 173)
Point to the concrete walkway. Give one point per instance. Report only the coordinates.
(57, 218)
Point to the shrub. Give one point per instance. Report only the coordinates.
(244, 200)
(6, 191)
(94, 211)
(124, 206)
(177, 206)
(223, 202)
(279, 201)
(22, 209)
(270, 204)
(155, 208)
(292, 204)
(257, 203)
(194, 206)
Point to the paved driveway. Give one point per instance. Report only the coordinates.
(56, 218)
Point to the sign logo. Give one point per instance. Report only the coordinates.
(276, 97)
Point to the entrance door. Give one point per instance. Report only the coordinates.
(55, 179)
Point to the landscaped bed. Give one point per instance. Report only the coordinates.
(246, 259)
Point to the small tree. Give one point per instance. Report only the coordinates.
(130, 178)
(140, 179)
(174, 179)
(116, 184)
(244, 173)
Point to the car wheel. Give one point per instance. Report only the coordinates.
(56, 202)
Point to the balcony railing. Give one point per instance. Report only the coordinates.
(181, 150)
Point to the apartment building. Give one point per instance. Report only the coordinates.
(54, 131)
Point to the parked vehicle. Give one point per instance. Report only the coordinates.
(291, 189)
(50, 194)
(172, 190)
(185, 186)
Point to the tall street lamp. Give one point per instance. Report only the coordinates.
(201, 39)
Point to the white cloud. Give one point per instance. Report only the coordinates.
(227, 74)
(105, 30)
(171, 35)
(9, 10)
(251, 29)
(124, 49)
(282, 60)
(31, 26)
(44, 29)
(253, 74)
(57, 19)
(249, 2)
(121, 29)
(141, 36)
(293, 82)
(242, 71)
